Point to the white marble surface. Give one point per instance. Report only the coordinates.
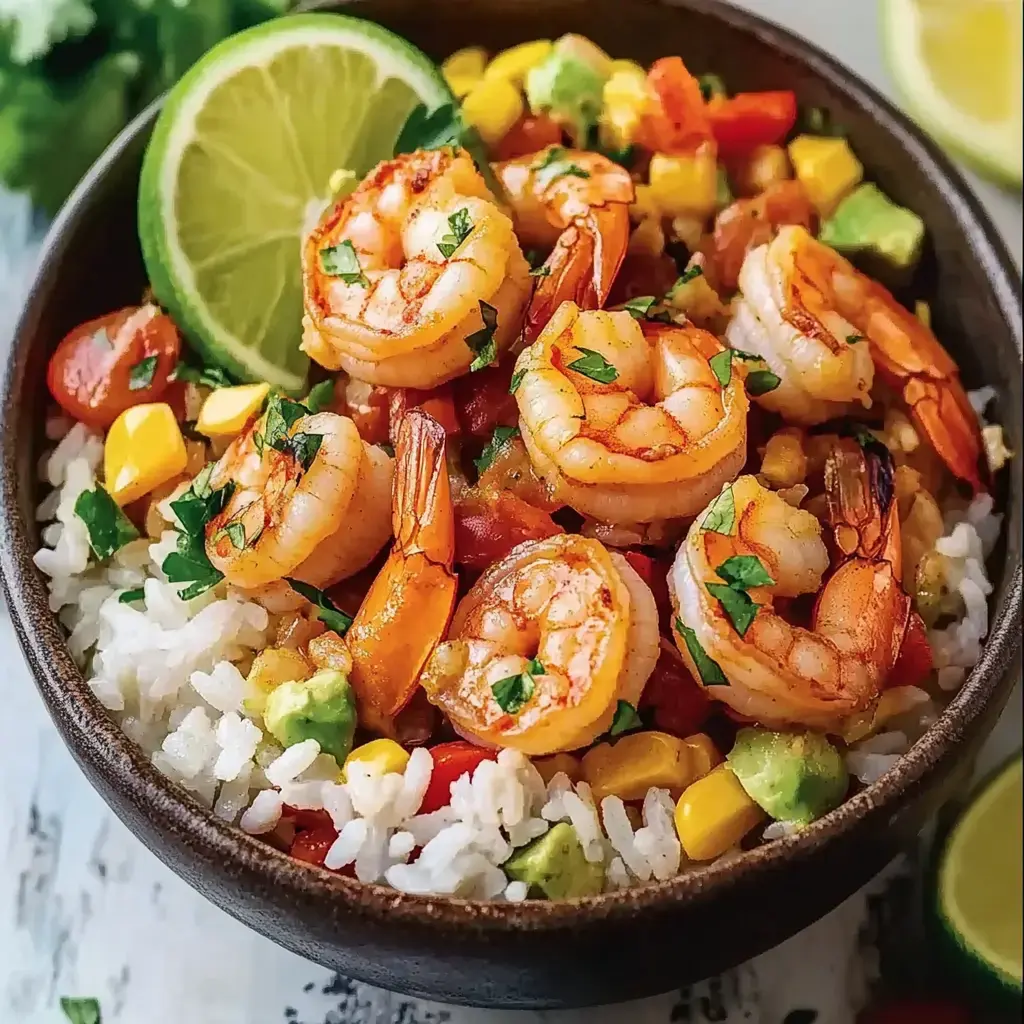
(85, 909)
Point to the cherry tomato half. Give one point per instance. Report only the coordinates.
(312, 845)
(451, 762)
(109, 364)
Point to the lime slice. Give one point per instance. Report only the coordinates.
(238, 167)
(958, 66)
(979, 885)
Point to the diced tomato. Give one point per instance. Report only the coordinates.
(91, 373)
(451, 761)
(368, 407)
(679, 704)
(312, 844)
(917, 1011)
(915, 658)
(747, 120)
(482, 401)
(677, 122)
(655, 574)
(530, 134)
(437, 402)
(305, 819)
(488, 526)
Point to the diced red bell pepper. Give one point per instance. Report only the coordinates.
(747, 120)
(680, 705)
(530, 134)
(312, 844)
(917, 1011)
(655, 574)
(451, 762)
(482, 401)
(915, 660)
(489, 526)
(677, 122)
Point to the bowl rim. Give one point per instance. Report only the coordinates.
(110, 754)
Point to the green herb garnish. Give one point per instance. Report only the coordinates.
(721, 515)
(542, 271)
(852, 339)
(109, 528)
(639, 307)
(741, 572)
(721, 367)
(711, 85)
(688, 275)
(81, 1011)
(708, 669)
(208, 376)
(131, 596)
(235, 532)
(553, 165)
(461, 227)
(760, 382)
(343, 261)
(517, 379)
(626, 719)
(141, 374)
(194, 509)
(482, 342)
(499, 441)
(433, 129)
(594, 365)
(320, 396)
(513, 692)
(744, 571)
(326, 610)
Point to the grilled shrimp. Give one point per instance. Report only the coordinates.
(309, 500)
(544, 646)
(629, 424)
(825, 329)
(407, 608)
(750, 549)
(414, 275)
(577, 202)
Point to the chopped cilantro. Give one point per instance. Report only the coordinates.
(708, 669)
(194, 509)
(482, 342)
(744, 571)
(499, 440)
(760, 382)
(80, 1010)
(639, 307)
(711, 85)
(517, 379)
(109, 528)
(721, 515)
(433, 129)
(738, 605)
(461, 227)
(747, 357)
(320, 396)
(513, 692)
(688, 275)
(235, 532)
(302, 447)
(553, 165)
(721, 366)
(626, 719)
(852, 339)
(131, 596)
(594, 365)
(326, 610)
(141, 374)
(342, 261)
(542, 271)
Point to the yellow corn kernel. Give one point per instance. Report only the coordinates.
(704, 754)
(549, 767)
(227, 410)
(784, 463)
(643, 206)
(827, 168)
(386, 756)
(628, 67)
(648, 239)
(144, 449)
(684, 185)
(624, 99)
(513, 63)
(270, 668)
(923, 312)
(493, 107)
(766, 166)
(635, 763)
(714, 814)
(468, 62)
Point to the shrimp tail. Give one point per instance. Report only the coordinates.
(422, 505)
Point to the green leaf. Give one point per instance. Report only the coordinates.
(744, 571)
(747, 357)
(208, 376)
(542, 271)
(320, 396)
(235, 532)
(109, 528)
(594, 365)
(513, 692)
(461, 228)
(639, 307)
(738, 605)
(711, 85)
(81, 1010)
(342, 261)
(499, 440)
(281, 415)
(626, 719)
(708, 669)
(425, 129)
(517, 379)
(721, 367)
(721, 515)
(852, 339)
(140, 376)
(688, 275)
(190, 564)
(131, 596)
(302, 447)
(482, 342)
(194, 509)
(326, 610)
(760, 382)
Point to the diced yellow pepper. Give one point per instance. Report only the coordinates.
(549, 767)
(227, 410)
(513, 63)
(493, 107)
(463, 85)
(826, 167)
(714, 814)
(144, 448)
(628, 66)
(686, 184)
(386, 756)
(624, 99)
(635, 763)
(704, 754)
(766, 165)
(468, 62)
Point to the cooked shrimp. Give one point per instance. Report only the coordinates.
(414, 275)
(629, 424)
(752, 548)
(544, 646)
(407, 608)
(309, 503)
(807, 311)
(577, 202)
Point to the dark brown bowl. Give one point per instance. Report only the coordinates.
(614, 947)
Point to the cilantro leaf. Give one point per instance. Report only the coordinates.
(721, 366)
(760, 382)
(190, 564)
(141, 374)
(326, 610)
(482, 342)
(542, 271)
(639, 307)
(131, 596)
(281, 415)
(461, 227)
(194, 509)
(320, 396)
(742, 572)
(721, 514)
(342, 261)
(499, 440)
(738, 605)
(688, 275)
(852, 339)
(594, 365)
(433, 129)
(517, 379)
(235, 532)
(747, 357)
(512, 692)
(626, 719)
(707, 668)
(109, 528)
(80, 1010)
(302, 447)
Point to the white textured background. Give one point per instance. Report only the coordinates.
(85, 909)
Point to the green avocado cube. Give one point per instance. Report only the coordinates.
(867, 221)
(553, 865)
(321, 708)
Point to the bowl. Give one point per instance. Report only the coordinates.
(537, 954)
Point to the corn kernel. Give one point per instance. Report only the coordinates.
(144, 448)
(704, 754)
(714, 814)
(384, 756)
(549, 767)
(635, 763)
(686, 184)
(766, 166)
(468, 62)
(648, 239)
(270, 668)
(513, 63)
(630, 67)
(624, 99)
(493, 107)
(227, 410)
(827, 168)
(784, 463)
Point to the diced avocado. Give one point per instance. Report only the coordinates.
(794, 777)
(568, 85)
(321, 708)
(867, 221)
(553, 865)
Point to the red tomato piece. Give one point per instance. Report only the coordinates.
(747, 120)
(482, 401)
(677, 121)
(304, 819)
(489, 526)
(530, 134)
(451, 762)
(917, 1011)
(437, 402)
(91, 373)
(915, 658)
(312, 844)
(680, 705)
(654, 573)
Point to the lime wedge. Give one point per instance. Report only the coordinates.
(238, 169)
(979, 885)
(958, 66)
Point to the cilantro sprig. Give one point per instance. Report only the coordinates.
(741, 573)
(461, 227)
(626, 719)
(109, 528)
(500, 440)
(482, 343)
(140, 376)
(513, 692)
(553, 165)
(326, 610)
(708, 669)
(721, 514)
(342, 261)
(594, 365)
